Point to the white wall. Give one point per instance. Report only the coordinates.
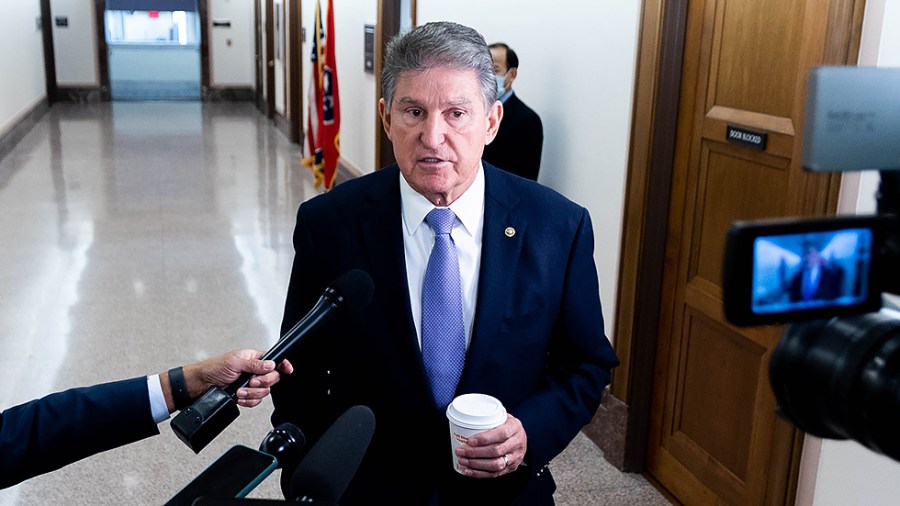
(358, 111)
(576, 70)
(18, 29)
(845, 472)
(75, 45)
(231, 49)
(356, 88)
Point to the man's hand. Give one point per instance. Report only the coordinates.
(222, 370)
(494, 452)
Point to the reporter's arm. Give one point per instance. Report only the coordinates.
(48, 433)
(221, 371)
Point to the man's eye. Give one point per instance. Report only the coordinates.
(415, 112)
(457, 114)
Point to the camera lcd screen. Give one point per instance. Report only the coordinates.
(778, 271)
(811, 270)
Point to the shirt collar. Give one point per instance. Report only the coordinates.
(468, 208)
(503, 98)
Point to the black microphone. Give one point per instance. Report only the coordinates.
(324, 474)
(286, 443)
(239, 470)
(352, 291)
(207, 417)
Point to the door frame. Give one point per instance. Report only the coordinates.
(270, 58)
(388, 25)
(258, 54)
(294, 75)
(103, 48)
(49, 52)
(621, 425)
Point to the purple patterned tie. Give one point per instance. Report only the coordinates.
(443, 334)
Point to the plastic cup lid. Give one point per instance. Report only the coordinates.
(476, 411)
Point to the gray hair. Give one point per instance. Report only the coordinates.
(439, 44)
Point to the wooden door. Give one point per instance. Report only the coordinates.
(714, 436)
(269, 56)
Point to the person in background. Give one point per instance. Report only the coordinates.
(484, 282)
(817, 279)
(48, 433)
(517, 147)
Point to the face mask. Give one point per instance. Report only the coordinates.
(501, 87)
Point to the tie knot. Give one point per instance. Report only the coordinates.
(441, 220)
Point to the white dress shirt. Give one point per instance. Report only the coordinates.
(418, 239)
(158, 407)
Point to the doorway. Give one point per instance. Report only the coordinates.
(153, 49)
(706, 430)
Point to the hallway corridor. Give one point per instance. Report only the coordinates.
(139, 236)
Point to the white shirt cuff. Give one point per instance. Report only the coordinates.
(158, 407)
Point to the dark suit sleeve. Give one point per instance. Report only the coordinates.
(46, 434)
(578, 362)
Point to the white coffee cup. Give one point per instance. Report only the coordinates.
(470, 414)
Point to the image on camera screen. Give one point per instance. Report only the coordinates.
(811, 270)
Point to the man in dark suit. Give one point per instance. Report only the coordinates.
(526, 313)
(817, 280)
(48, 433)
(517, 146)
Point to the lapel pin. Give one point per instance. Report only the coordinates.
(509, 231)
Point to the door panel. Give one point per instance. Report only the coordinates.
(714, 435)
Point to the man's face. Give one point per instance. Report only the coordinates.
(439, 128)
(498, 54)
(812, 257)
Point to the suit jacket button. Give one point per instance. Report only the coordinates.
(509, 231)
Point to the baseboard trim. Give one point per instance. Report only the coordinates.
(11, 137)
(609, 429)
(228, 94)
(346, 171)
(79, 94)
(282, 124)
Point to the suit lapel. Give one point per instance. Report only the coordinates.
(382, 235)
(500, 248)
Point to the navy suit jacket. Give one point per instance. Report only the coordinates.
(538, 342)
(45, 434)
(829, 286)
(517, 146)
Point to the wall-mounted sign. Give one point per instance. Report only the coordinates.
(746, 137)
(369, 49)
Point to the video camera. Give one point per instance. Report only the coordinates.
(836, 371)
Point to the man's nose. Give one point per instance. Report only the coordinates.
(433, 131)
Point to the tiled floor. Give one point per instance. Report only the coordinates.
(138, 236)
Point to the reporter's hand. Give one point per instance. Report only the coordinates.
(224, 369)
(494, 452)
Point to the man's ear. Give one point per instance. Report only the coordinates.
(385, 117)
(495, 115)
(511, 75)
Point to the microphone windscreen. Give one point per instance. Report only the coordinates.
(331, 463)
(355, 287)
